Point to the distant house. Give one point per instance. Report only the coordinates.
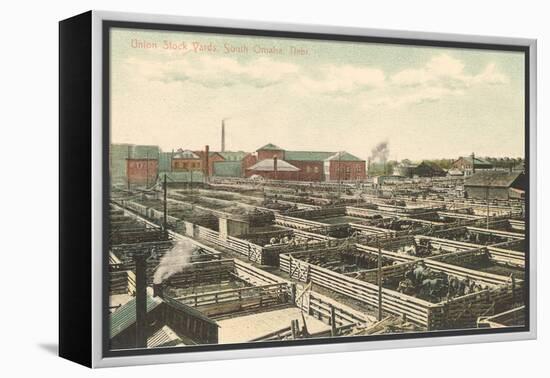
(186, 160)
(495, 185)
(424, 169)
(429, 169)
(470, 164)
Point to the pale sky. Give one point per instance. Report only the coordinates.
(425, 102)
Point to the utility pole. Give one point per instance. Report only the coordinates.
(379, 281)
(165, 220)
(487, 202)
(141, 299)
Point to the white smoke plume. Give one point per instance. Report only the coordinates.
(175, 260)
(381, 152)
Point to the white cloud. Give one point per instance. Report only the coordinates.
(444, 70)
(441, 76)
(342, 78)
(214, 71)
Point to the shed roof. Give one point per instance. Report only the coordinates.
(268, 165)
(125, 316)
(163, 337)
(493, 179)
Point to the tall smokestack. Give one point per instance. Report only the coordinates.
(141, 300)
(473, 163)
(275, 166)
(223, 135)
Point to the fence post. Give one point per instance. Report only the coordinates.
(332, 321)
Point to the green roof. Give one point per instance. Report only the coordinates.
(319, 156)
(478, 161)
(270, 146)
(228, 168)
(233, 155)
(125, 316)
(307, 155)
(343, 156)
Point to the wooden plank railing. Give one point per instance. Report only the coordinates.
(415, 309)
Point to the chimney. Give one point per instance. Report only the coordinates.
(141, 300)
(206, 161)
(158, 290)
(473, 163)
(223, 135)
(275, 166)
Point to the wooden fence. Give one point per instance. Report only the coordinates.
(416, 310)
(203, 273)
(458, 312)
(222, 302)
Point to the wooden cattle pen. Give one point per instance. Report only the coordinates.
(350, 261)
(495, 292)
(220, 288)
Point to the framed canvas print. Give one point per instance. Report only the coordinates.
(232, 189)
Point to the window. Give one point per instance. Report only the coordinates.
(316, 169)
(308, 169)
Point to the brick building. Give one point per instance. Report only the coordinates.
(343, 166)
(469, 165)
(311, 165)
(186, 160)
(213, 158)
(141, 172)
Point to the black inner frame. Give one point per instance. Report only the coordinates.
(108, 25)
